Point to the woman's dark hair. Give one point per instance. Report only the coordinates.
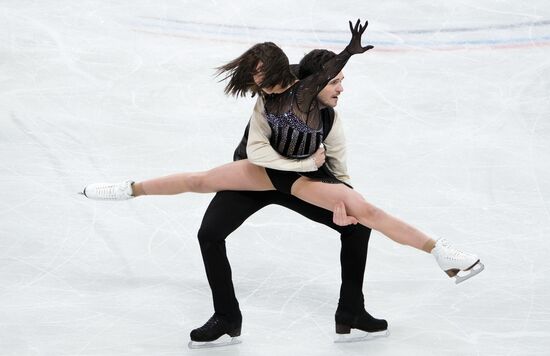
(241, 70)
(313, 62)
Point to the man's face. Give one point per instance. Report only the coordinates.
(329, 95)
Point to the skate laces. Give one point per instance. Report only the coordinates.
(452, 253)
(213, 321)
(109, 191)
(114, 190)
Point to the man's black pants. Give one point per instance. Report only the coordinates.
(229, 209)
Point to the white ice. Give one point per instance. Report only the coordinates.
(448, 126)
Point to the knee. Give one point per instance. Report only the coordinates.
(357, 231)
(371, 214)
(207, 235)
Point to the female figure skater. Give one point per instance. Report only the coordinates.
(293, 113)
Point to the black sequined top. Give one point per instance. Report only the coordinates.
(294, 115)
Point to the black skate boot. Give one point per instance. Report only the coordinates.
(216, 327)
(368, 325)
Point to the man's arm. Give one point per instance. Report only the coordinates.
(335, 150)
(260, 151)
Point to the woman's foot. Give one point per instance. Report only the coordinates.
(453, 261)
(109, 191)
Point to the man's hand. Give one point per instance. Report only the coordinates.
(319, 156)
(340, 217)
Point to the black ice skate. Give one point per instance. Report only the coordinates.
(367, 326)
(213, 333)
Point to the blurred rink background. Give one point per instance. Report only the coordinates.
(448, 126)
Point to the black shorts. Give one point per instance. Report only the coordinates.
(283, 180)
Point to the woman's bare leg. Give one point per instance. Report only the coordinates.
(328, 196)
(451, 260)
(238, 175)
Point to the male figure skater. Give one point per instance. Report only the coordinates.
(229, 209)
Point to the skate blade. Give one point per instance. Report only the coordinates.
(222, 341)
(474, 270)
(360, 336)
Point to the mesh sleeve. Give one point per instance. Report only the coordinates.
(312, 85)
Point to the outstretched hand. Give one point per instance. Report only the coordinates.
(340, 217)
(354, 46)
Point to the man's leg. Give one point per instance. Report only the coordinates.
(353, 254)
(353, 259)
(351, 313)
(226, 212)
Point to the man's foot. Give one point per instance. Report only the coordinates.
(367, 326)
(212, 334)
(109, 191)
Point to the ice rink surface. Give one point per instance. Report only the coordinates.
(448, 126)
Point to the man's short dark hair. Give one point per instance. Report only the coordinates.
(313, 62)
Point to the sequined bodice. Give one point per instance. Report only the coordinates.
(291, 137)
(294, 115)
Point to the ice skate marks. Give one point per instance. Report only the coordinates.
(360, 336)
(224, 340)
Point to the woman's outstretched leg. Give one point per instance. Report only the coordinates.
(328, 196)
(238, 175)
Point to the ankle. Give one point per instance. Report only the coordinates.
(137, 189)
(429, 246)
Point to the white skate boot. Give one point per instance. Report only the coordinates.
(109, 191)
(453, 261)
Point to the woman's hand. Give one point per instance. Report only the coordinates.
(340, 217)
(354, 46)
(319, 156)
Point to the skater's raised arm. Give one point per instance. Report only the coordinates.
(309, 87)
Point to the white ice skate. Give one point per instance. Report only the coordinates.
(453, 261)
(109, 191)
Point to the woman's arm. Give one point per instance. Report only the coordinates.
(313, 84)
